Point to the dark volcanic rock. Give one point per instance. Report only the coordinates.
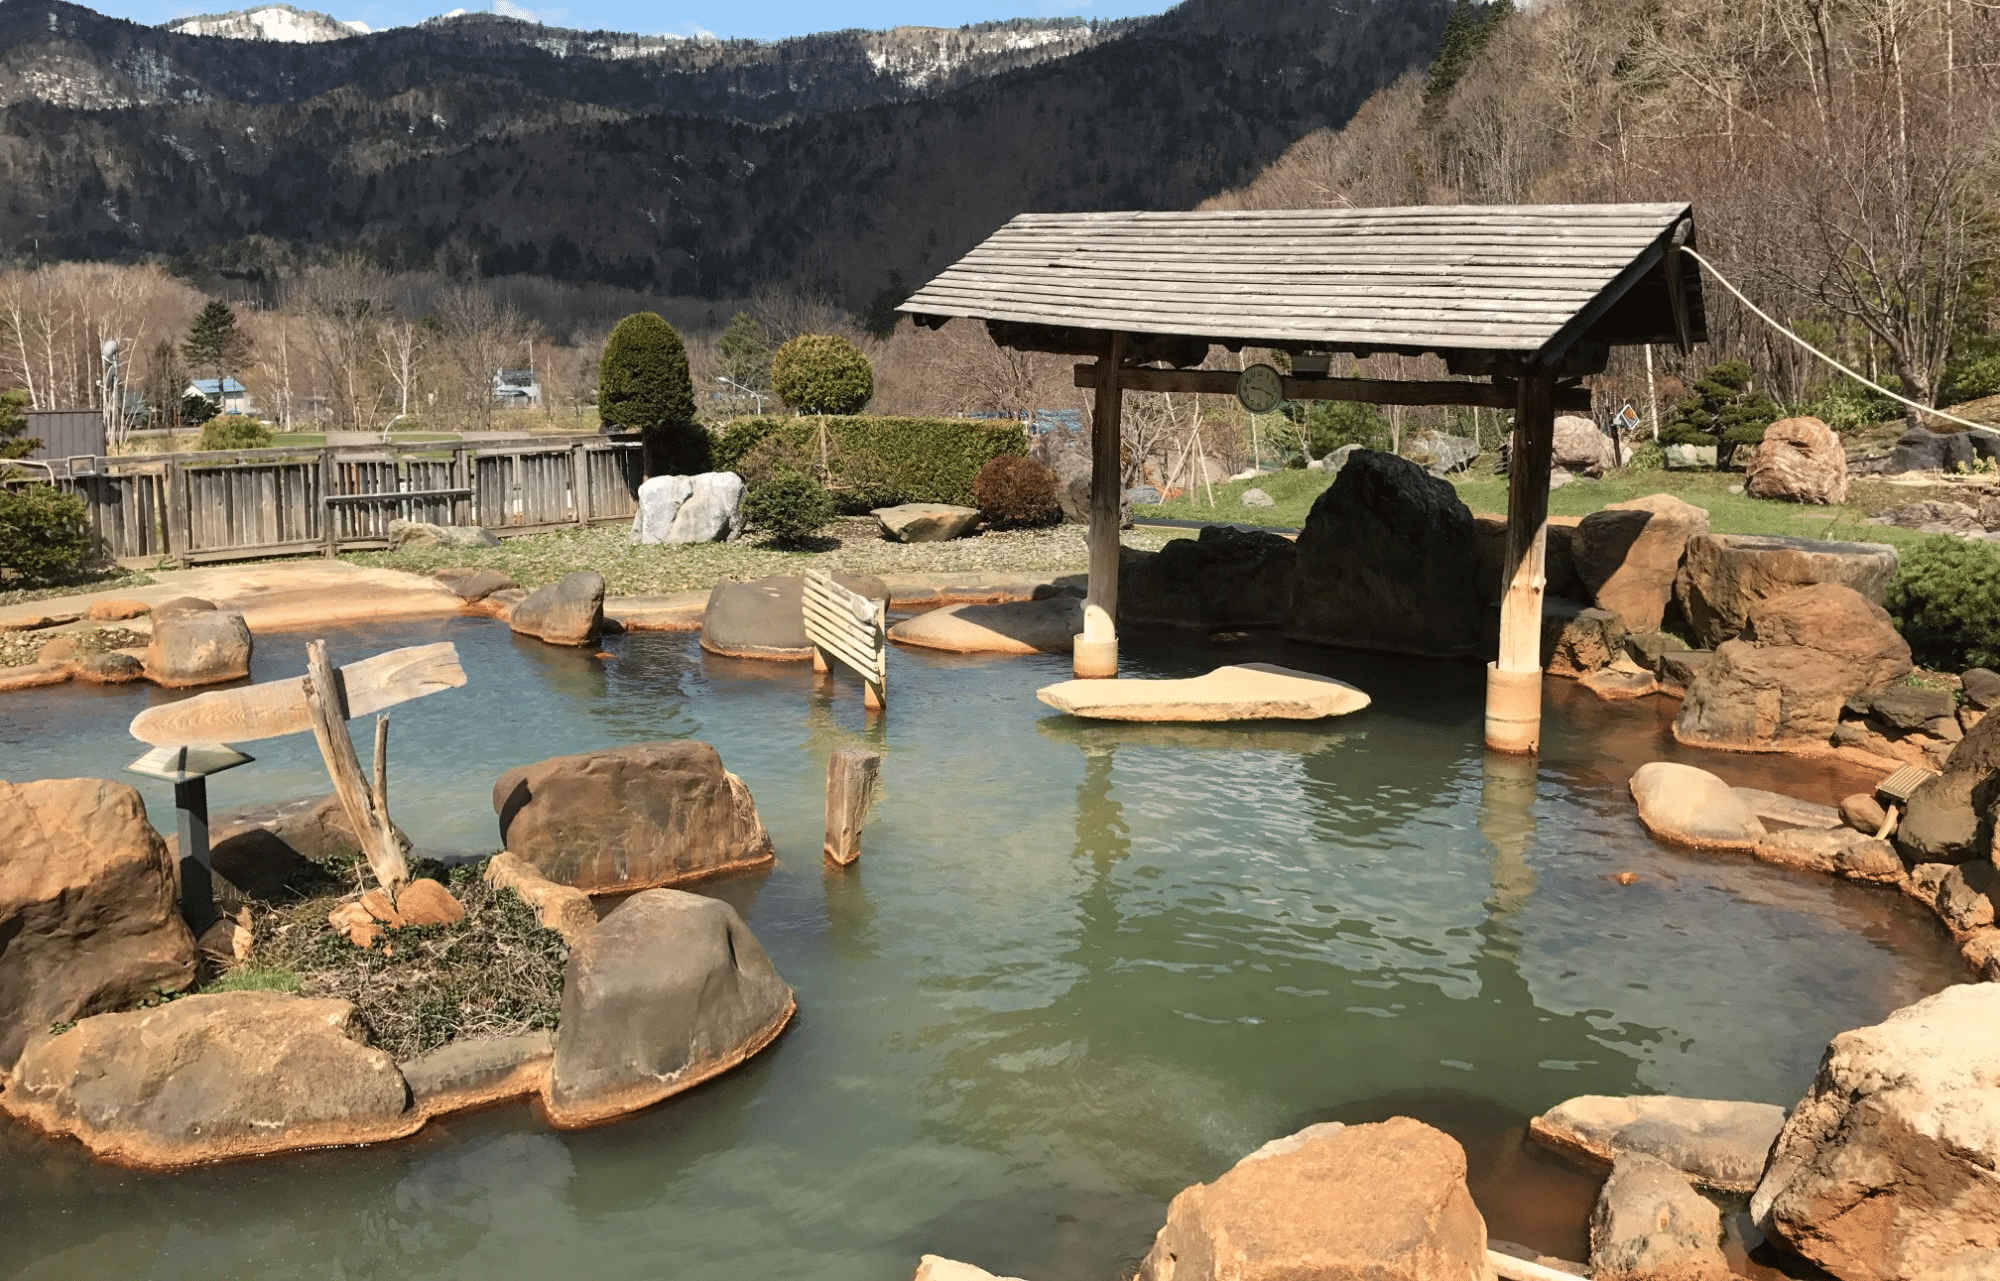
(669, 990)
(1388, 560)
(1227, 577)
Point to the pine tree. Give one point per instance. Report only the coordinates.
(745, 352)
(214, 342)
(1466, 34)
(14, 440)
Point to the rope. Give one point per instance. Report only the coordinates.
(1759, 312)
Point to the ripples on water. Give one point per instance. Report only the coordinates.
(1078, 967)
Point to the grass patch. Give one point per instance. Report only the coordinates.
(853, 544)
(253, 977)
(1486, 494)
(1293, 490)
(495, 973)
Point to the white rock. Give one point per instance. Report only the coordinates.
(1257, 498)
(713, 510)
(660, 500)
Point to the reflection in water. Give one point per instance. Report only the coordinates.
(1077, 968)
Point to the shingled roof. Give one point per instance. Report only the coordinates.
(1524, 281)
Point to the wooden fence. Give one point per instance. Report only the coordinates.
(243, 504)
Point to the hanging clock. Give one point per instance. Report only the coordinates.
(1260, 389)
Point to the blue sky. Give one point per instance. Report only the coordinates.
(758, 19)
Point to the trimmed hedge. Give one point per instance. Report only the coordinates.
(880, 461)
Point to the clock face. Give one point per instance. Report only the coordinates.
(1260, 389)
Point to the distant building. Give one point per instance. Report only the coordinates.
(517, 387)
(226, 394)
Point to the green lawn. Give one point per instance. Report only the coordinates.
(1486, 494)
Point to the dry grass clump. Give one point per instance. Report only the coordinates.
(495, 973)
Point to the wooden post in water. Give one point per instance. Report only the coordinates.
(850, 790)
(367, 808)
(1514, 681)
(1096, 649)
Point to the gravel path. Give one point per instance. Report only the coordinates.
(853, 544)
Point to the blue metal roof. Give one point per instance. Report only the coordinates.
(212, 386)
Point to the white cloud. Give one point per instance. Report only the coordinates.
(508, 9)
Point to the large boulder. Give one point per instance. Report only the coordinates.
(1581, 448)
(194, 643)
(1651, 1225)
(1628, 555)
(1950, 818)
(1800, 460)
(766, 618)
(1718, 1143)
(1688, 806)
(570, 612)
(1383, 1202)
(1921, 449)
(212, 1078)
(1559, 569)
(417, 533)
(659, 501)
(1723, 576)
(1885, 1171)
(925, 522)
(1225, 577)
(1046, 626)
(89, 907)
(1782, 686)
(1388, 560)
(669, 990)
(1073, 470)
(474, 585)
(1443, 452)
(713, 510)
(629, 818)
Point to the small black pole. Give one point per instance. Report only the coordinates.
(197, 886)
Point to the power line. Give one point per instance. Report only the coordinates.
(1872, 385)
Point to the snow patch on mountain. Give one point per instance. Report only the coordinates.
(279, 22)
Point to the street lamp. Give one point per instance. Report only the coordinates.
(754, 395)
(114, 412)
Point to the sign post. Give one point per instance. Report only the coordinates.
(188, 768)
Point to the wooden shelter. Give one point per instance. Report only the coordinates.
(1520, 301)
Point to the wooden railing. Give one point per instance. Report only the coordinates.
(243, 504)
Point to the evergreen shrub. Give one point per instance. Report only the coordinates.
(1014, 491)
(878, 461)
(1723, 412)
(44, 534)
(1945, 599)
(643, 385)
(790, 507)
(234, 431)
(822, 374)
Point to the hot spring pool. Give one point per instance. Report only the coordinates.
(1077, 968)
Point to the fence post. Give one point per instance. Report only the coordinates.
(462, 509)
(579, 488)
(329, 530)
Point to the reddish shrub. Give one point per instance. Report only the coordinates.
(1015, 491)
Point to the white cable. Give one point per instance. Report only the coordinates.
(1722, 280)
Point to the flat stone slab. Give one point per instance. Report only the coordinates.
(926, 522)
(1241, 692)
(1789, 811)
(1046, 626)
(1717, 1143)
(272, 596)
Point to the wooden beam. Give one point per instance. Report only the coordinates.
(1514, 682)
(273, 708)
(1373, 391)
(367, 811)
(850, 790)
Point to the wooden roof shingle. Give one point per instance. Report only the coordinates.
(1526, 281)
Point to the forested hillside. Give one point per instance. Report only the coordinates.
(450, 148)
(1840, 158)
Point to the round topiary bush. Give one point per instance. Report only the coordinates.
(643, 385)
(789, 507)
(234, 431)
(44, 534)
(1014, 491)
(822, 374)
(1945, 599)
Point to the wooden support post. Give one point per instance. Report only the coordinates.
(1514, 682)
(1096, 649)
(579, 485)
(850, 790)
(367, 809)
(329, 515)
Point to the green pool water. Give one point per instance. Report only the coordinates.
(1078, 968)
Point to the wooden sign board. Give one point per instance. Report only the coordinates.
(276, 708)
(846, 625)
